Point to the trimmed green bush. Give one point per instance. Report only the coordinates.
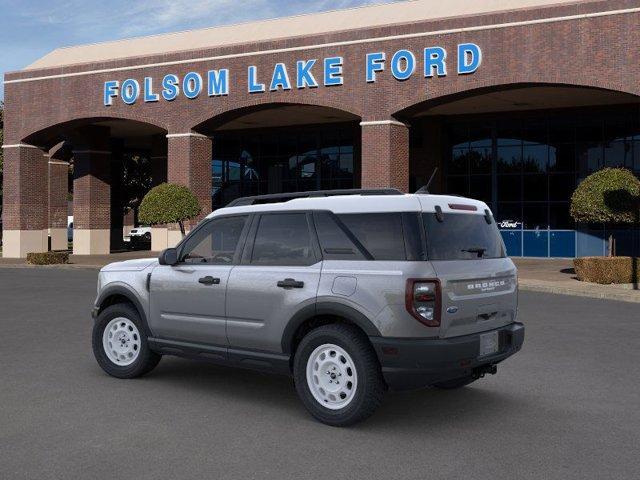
(607, 270)
(48, 258)
(610, 195)
(168, 203)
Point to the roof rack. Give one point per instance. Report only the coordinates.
(285, 197)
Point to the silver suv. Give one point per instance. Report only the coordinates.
(350, 292)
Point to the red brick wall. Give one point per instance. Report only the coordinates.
(24, 198)
(385, 156)
(189, 164)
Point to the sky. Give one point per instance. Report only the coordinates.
(30, 29)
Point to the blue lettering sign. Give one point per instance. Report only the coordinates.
(375, 63)
(280, 78)
(192, 85)
(149, 96)
(170, 87)
(110, 92)
(333, 71)
(218, 81)
(469, 58)
(254, 86)
(434, 58)
(130, 91)
(304, 76)
(403, 64)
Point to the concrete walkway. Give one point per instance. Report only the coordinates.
(558, 276)
(535, 274)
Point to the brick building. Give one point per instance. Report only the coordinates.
(513, 100)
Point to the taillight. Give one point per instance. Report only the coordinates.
(423, 301)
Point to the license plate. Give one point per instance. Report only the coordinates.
(489, 344)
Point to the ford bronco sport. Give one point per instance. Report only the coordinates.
(350, 292)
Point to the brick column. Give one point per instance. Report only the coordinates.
(385, 155)
(58, 190)
(25, 201)
(91, 191)
(158, 160)
(159, 233)
(189, 164)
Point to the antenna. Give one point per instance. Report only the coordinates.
(425, 188)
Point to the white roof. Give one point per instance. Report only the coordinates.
(363, 204)
(273, 29)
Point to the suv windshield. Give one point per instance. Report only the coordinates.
(462, 236)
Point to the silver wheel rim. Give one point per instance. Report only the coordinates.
(332, 376)
(121, 341)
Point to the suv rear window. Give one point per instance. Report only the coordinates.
(462, 236)
(383, 234)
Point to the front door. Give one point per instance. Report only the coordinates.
(279, 275)
(188, 299)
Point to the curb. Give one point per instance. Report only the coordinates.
(630, 297)
(68, 266)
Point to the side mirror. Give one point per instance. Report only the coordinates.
(168, 257)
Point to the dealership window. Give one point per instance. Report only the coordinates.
(537, 159)
(262, 161)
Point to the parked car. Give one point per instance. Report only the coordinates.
(139, 237)
(70, 228)
(350, 294)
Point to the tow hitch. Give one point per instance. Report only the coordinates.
(483, 370)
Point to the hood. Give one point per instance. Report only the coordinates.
(130, 265)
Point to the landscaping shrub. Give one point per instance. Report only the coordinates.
(48, 258)
(168, 203)
(607, 270)
(609, 195)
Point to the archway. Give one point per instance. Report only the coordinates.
(523, 149)
(280, 147)
(113, 162)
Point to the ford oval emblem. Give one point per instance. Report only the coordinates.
(452, 309)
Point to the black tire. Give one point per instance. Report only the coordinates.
(146, 360)
(455, 383)
(370, 384)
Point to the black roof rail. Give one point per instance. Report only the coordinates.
(284, 197)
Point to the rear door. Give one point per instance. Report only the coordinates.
(188, 299)
(478, 282)
(279, 275)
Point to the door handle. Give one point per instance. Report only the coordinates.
(208, 280)
(290, 283)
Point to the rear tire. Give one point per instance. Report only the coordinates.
(455, 383)
(337, 375)
(120, 344)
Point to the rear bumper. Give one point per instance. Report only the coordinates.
(416, 363)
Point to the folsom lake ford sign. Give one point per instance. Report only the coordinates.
(309, 73)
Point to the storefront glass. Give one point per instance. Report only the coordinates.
(257, 162)
(526, 166)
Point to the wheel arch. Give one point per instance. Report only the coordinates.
(115, 294)
(323, 313)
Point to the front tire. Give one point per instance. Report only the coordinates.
(337, 375)
(120, 344)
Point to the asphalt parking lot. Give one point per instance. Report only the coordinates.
(565, 407)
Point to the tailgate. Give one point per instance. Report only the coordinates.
(477, 295)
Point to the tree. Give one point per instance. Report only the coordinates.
(169, 203)
(609, 196)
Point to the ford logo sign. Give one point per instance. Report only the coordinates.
(453, 309)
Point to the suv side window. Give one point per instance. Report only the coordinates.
(380, 233)
(216, 243)
(283, 239)
(334, 241)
